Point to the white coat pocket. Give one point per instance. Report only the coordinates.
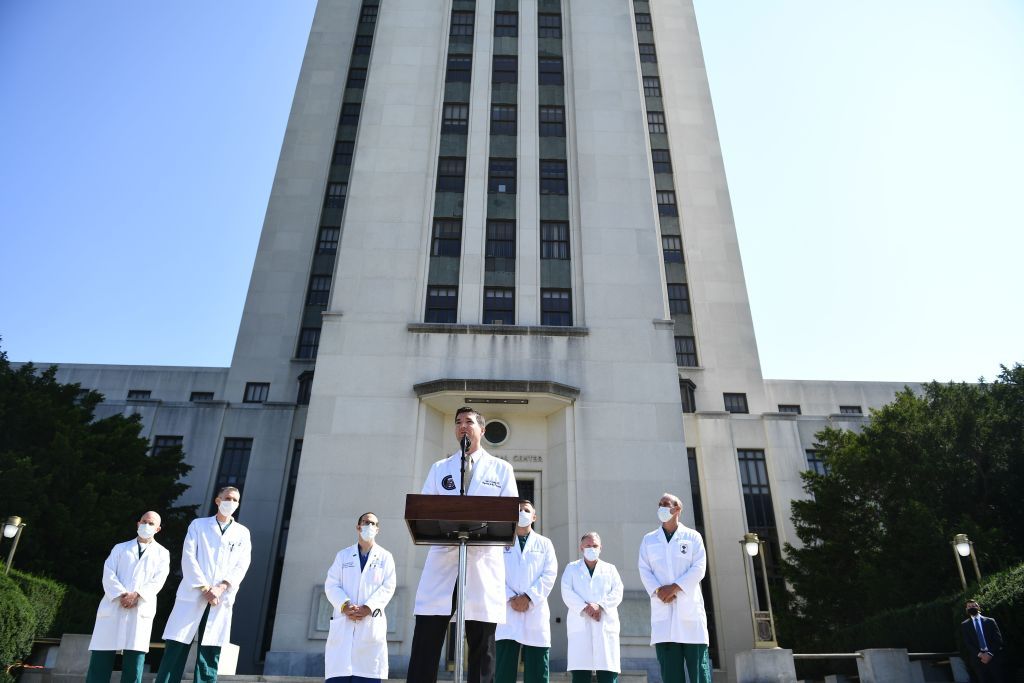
(372, 630)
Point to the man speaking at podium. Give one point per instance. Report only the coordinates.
(480, 475)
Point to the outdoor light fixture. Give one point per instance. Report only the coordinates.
(763, 620)
(964, 547)
(12, 529)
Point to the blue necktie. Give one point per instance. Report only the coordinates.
(981, 635)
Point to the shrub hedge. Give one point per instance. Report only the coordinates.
(17, 625)
(45, 596)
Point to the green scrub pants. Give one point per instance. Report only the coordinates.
(602, 677)
(674, 658)
(535, 662)
(172, 666)
(101, 666)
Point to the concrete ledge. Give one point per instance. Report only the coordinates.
(522, 330)
(884, 665)
(496, 386)
(765, 666)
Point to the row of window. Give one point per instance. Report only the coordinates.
(504, 69)
(506, 25)
(501, 179)
(447, 239)
(499, 306)
(504, 121)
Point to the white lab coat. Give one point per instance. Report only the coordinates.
(531, 570)
(359, 648)
(593, 645)
(207, 558)
(682, 561)
(124, 571)
(485, 579)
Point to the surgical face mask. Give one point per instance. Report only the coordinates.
(227, 507)
(368, 532)
(147, 530)
(664, 514)
(525, 518)
(591, 554)
(973, 611)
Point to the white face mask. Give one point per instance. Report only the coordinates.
(147, 531)
(591, 554)
(664, 514)
(525, 518)
(368, 532)
(227, 507)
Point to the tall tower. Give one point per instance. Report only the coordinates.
(516, 204)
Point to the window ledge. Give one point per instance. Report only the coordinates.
(521, 330)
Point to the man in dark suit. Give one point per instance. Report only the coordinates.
(985, 644)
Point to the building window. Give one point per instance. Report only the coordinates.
(662, 160)
(139, 394)
(282, 544)
(656, 122)
(850, 410)
(451, 174)
(643, 22)
(459, 68)
(462, 24)
(506, 24)
(501, 177)
(652, 86)
(200, 396)
(791, 408)
(553, 177)
(441, 303)
(736, 403)
(687, 395)
(506, 69)
(368, 15)
(556, 307)
(350, 114)
(162, 444)
(327, 241)
(447, 238)
(678, 298)
(336, 193)
(356, 78)
(647, 53)
(550, 71)
(305, 390)
(499, 306)
(667, 204)
(698, 525)
(309, 343)
(234, 463)
(757, 503)
(815, 463)
(343, 153)
(552, 122)
(503, 119)
(362, 45)
(672, 248)
(554, 240)
(256, 392)
(319, 290)
(686, 352)
(549, 25)
(501, 239)
(455, 118)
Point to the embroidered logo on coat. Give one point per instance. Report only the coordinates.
(491, 482)
(683, 547)
(448, 483)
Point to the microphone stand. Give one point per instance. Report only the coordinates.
(460, 603)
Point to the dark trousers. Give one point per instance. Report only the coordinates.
(428, 638)
(172, 666)
(988, 673)
(535, 663)
(352, 679)
(101, 666)
(675, 658)
(602, 677)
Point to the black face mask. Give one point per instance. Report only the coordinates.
(973, 611)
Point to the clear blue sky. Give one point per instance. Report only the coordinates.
(874, 152)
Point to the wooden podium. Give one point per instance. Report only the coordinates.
(462, 521)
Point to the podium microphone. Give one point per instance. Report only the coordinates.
(462, 466)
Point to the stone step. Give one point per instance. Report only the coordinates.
(47, 676)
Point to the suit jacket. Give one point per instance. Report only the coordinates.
(993, 638)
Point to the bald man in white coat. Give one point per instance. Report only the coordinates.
(133, 574)
(485, 579)
(592, 590)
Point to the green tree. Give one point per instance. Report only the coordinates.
(79, 483)
(877, 526)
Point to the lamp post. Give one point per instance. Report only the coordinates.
(763, 621)
(964, 547)
(12, 529)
